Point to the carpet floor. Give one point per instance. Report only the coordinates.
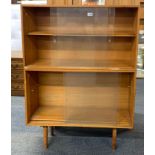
(76, 141)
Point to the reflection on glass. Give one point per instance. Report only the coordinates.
(93, 2)
(81, 98)
(96, 98)
(94, 44)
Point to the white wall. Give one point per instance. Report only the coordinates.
(16, 42)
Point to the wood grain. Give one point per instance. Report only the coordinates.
(45, 135)
(103, 33)
(141, 15)
(31, 94)
(59, 65)
(17, 75)
(55, 116)
(114, 137)
(28, 47)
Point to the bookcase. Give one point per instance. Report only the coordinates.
(80, 65)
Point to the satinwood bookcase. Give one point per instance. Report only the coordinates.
(80, 64)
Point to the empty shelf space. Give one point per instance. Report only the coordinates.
(99, 115)
(54, 113)
(82, 34)
(85, 116)
(80, 65)
(95, 21)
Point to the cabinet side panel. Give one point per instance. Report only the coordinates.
(28, 44)
(134, 48)
(134, 62)
(31, 94)
(132, 98)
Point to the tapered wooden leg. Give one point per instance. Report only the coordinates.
(52, 131)
(45, 134)
(114, 137)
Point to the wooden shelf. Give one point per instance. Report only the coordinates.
(73, 65)
(55, 113)
(83, 34)
(93, 116)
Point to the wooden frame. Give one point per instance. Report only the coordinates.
(80, 75)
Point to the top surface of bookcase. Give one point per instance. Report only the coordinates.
(82, 6)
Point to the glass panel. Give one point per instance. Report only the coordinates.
(103, 40)
(82, 38)
(97, 98)
(88, 99)
(85, 21)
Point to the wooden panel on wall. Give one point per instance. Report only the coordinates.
(17, 76)
(141, 15)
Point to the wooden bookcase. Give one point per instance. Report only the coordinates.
(80, 65)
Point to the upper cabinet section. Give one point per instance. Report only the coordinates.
(80, 21)
(80, 38)
(92, 2)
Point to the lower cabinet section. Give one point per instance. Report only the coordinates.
(80, 99)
